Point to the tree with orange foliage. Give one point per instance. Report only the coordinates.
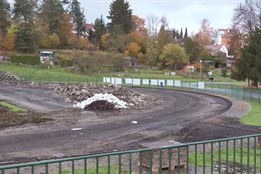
(133, 49)
(138, 24)
(9, 40)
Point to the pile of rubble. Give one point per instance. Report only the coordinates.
(78, 93)
(7, 76)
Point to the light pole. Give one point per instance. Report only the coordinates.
(200, 66)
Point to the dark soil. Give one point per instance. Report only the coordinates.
(8, 118)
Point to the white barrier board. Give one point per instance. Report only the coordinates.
(145, 81)
(136, 82)
(177, 83)
(154, 82)
(170, 83)
(201, 85)
(128, 81)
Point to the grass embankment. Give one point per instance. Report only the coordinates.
(254, 159)
(12, 108)
(254, 116)
(57, 73)
(12, 115)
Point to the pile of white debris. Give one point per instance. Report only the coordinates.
(118, 104)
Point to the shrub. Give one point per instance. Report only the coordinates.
(25, 59)
(66, 62)
(224, 72)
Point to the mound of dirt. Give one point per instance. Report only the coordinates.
(8, 118)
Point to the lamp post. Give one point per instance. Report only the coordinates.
(200, 73)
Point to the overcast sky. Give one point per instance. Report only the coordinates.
(180, 13)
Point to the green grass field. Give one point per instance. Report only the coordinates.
(254, 159)
(254, 116)
(12, 108)
(57, 73)
(102, 170)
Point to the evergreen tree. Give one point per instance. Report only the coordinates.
(186, 33)
(24, 11)
(78, 18)
(249, 64)
(181, 33)
(52, 13)
(120, 15)
(5, 17)
(100, 29)
(25, 39)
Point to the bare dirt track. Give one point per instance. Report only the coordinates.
(181, 116)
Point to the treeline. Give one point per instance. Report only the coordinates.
(34, 24)
(246, 43)
(55, 24)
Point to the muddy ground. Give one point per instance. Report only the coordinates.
(53, 130)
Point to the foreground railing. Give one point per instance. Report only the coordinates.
(230, 155)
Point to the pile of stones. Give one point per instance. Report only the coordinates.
(76, 93)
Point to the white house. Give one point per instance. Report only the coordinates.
(215, 49)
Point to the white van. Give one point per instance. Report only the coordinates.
(47, 56)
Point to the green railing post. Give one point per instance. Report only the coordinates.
(130, 163)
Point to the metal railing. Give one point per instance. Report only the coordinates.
(236, 91)
(230, 155)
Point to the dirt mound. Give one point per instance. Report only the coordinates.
(101, 106)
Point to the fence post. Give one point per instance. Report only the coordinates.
(259, 96)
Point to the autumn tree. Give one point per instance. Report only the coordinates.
(165, 35)
(153, 52)
(174, 56)
(246, 16)
(120, 16)
(138, 25)
(205, 36)
(133, 49)
(9, 39)
(65, 34)
(153, 25)
(5, 18)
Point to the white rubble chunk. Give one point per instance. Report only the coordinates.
(118, 104)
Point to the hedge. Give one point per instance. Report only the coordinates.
(25, 59)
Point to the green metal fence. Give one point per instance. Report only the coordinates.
(230, 155)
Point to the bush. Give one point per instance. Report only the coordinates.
(25, 59)
(224, 72)
(66, 62)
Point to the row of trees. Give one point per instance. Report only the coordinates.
(246, 42)
(33, 24)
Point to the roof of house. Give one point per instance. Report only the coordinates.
(89, 26)
(214, 47)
